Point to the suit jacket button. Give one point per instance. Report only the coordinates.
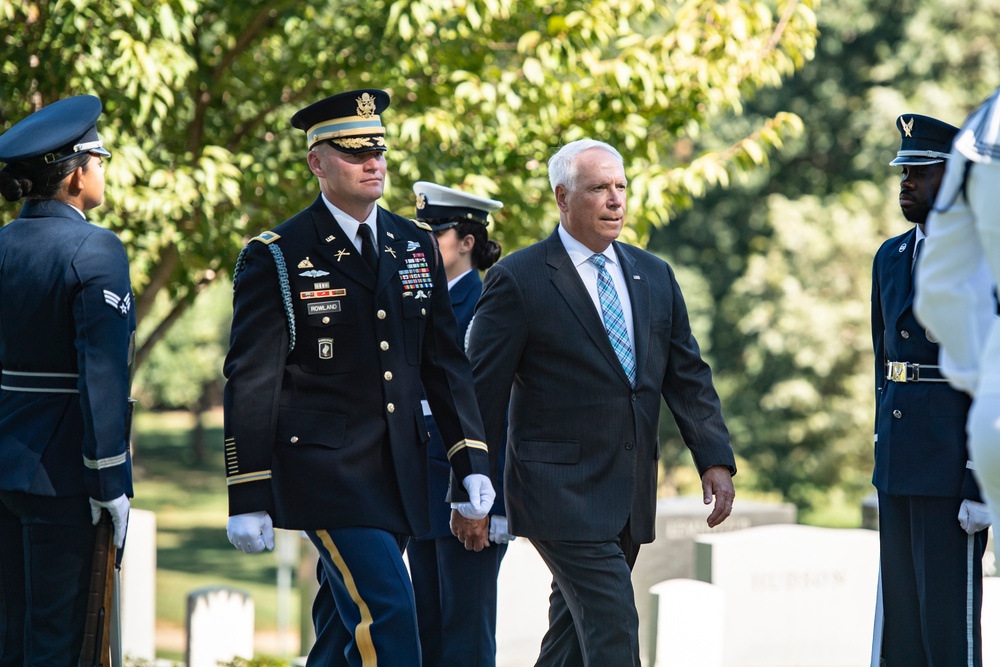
(628, 445)
(904, 333)
(634, 397)
(294, 439)
(390, 407)
(380, 314)
(384, 345)
(387, 376)
(898, 414)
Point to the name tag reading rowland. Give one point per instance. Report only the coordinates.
(321, 307)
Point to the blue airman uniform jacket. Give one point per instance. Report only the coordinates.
(920, 441)
(66, 323)
(323, 422)
(464, 296)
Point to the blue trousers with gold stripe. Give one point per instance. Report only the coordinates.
(364, 612)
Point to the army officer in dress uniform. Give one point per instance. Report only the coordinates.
(66, 323)
(455, 588)
(931, 564)
(341, 314)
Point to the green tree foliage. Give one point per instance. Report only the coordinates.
(788, 252)
(198, 94)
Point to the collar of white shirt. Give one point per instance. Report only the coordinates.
(579, 253)
(350, 225)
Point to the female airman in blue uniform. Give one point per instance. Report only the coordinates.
(66, 323)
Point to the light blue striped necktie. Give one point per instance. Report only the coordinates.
(614, 319)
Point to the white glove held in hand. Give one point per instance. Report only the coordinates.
(481, 496)
(118, 509)
(251, 533)
(498, 530)
(973, 516)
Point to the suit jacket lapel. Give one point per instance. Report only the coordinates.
(901, 273)
(568, 283)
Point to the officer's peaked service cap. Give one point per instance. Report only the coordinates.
(350, 122)
(442, 207)
(924, 140)
(55, 132)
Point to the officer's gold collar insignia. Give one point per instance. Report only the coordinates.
(305, 264)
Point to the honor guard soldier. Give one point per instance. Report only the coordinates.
(957, 279)
(66, 324)
(930, 528)
(340, 316)
(455, 588)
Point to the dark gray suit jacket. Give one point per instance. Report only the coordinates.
(582, 446)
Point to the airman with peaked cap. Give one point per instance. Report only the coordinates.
(64, 369)
(443, 207)
(924, 140)
(55, 133)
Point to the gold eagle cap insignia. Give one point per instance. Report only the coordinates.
(421, 201)
(366, 105)
(908, 127)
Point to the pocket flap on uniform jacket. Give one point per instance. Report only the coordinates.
(298, 427)
(549, 451)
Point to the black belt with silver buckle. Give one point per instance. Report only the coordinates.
(904, 371)
(56, 383)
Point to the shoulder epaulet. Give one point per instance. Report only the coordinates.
(266, 237)
(422, 225)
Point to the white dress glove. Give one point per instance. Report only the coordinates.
(481, 496)
(498, 530)
(973, 516)
(118, 509)
(251, 533)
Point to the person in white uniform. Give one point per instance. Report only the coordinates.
(956, 295)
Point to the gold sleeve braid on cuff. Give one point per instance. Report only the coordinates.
(474, 444)
(258, 476)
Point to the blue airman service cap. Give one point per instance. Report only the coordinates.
(55, 133)
(443, 208)
(350, 122)
(925, 140)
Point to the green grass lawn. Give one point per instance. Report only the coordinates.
(189, 499)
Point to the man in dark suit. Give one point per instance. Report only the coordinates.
(583, 335)
(341, 315)
(931, 523)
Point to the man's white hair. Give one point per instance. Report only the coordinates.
(562, 165)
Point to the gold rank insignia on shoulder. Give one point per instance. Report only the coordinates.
(305, 264)
(266, 237)
(423, 225)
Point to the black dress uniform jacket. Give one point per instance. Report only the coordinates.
(331, 433)
(66, 320)
(920, 442)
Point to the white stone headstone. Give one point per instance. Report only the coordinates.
(689, 627)
(219, 626)
(796, 596)
(138, 586)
